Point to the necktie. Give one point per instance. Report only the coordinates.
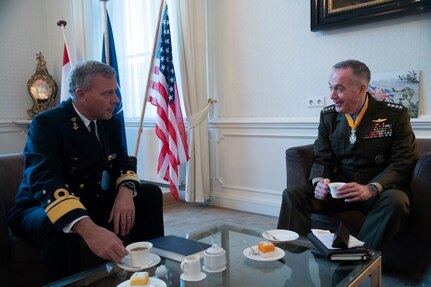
(93, 129)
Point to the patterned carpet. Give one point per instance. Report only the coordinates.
(181, 218)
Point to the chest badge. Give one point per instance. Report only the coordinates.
(379, 120)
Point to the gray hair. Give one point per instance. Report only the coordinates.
(82, 75)
(360, 70)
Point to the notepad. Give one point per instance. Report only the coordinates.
(176, 248)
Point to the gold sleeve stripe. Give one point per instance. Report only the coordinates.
(128, 176)
(61, 206)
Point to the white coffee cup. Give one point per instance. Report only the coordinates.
(139, 253)
(214, 258)
(191, 267)
(333, 187)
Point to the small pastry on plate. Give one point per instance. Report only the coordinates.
(140, 279)
(266, 249)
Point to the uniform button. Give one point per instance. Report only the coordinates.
(98, 183)
(81, 186)
(48, 201)
(44, 191)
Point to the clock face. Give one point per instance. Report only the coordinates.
(41, 90)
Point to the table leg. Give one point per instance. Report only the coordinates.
(374, 272)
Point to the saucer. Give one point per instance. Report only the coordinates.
(156, 282)
(125, 263)
(282, 235)
(184, 277)
(279, 253)
(213, 271)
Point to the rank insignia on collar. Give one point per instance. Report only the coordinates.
(74, 123)
(379, 120)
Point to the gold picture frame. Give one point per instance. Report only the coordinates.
(41, 88)
(330, 14)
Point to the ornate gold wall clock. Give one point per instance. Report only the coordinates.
(42, 88)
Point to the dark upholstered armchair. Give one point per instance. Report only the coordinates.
(21, 263)
(410, 250)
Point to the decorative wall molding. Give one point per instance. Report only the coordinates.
(7, 126)
(421, 123)
(264, 123)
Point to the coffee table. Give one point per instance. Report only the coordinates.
(301, 266)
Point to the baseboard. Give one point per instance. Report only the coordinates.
(247, 206)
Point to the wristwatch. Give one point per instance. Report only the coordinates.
(373, 189)
(131, 186)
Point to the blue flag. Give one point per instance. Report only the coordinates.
(118, 111)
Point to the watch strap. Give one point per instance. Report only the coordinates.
(373, 189)
(131, 186)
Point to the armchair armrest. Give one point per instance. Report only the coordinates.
(420, 198)
(11, 167)
(4, 236)
(299, 160)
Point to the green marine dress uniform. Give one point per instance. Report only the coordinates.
(384, 150)
(70, 173)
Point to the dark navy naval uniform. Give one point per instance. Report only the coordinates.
(385, 151)
(70, 173)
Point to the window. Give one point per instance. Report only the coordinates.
(134, 25)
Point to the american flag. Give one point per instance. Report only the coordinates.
(169, 123)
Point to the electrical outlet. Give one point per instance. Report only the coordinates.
(316, 102)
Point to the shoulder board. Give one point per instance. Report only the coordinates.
(328, 109)
(393, 106)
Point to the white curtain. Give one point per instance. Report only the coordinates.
(188, 23)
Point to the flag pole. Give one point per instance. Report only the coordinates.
(62, 24)
(105, 34)
(149, 78)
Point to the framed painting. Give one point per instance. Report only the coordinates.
(330, 14)
(401, 87)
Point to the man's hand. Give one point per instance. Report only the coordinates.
(101, 241)
(322, 190)
(123, 211)
(353, 191)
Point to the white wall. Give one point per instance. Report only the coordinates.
(26, 28)
(263, 64)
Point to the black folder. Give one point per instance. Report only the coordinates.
(340, 254)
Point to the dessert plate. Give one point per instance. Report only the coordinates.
(126, 264)
(213, 271)
(200, 277)
(280, 235)
(278, 254)
(154, 282)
